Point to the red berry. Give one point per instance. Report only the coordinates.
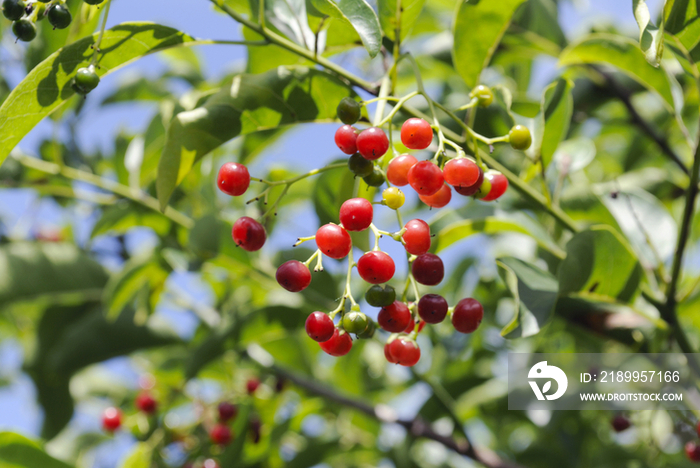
(293, 276)
(405, 352)
(467, 315)
(425, 178)
(346, 139)
(233, 179)
(499, 185)
(432, 308)
(333, 241)
(356, 214)
(338, 345)
(376, 267)
(412, 326)
(252, 385)
(220, 435)
(697, 429)
(372, 143)
(428, 269)
(146, 403)
(387, 354)
(248, 234)
(461, 172)
(227, 411)
(111, 419)
(395, 317)
(472, 189)
(416, 237)
(439, 199)
(621, 423)
(692, 451)
(319, 327)
(416, 134)
(397, 171)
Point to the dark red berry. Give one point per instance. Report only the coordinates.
(293, 276)
(220, 435)
(397, 171)
(416, 134)
(338, 345)
(111, 419)
(146, 403)
(233, 179)
(621, 423)
(227, 411)
(388, 355)
(416, 237)
(333, 241)
(395, 317)
(692, 451)
(461, 172)
(467, 315)
(319, 327)
(499, 185)
(432, 308)
(346, 139)
(428, 269)
(425, 178)
(376, 267)
(410, 328)
(372, 143)
(473, 189)
(252, 385)
(248, 234)
(356, 214)
(439, 199)
(255, 425)
(405, 352)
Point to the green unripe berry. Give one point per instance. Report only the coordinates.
(24, 30)
(380, 296)
(369, 331)
(13, 9)
(85, 80)
(393, 197)
(59, 16)
(93, 2)
(375, 179)
(484, 189)
(360, 166)
(483, 94)
(355, 322)
(519, 137)
(348, 111)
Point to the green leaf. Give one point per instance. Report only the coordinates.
(48, 85)
(557, 107)
(31, 270)
(600, 264)
(251, 103)
(682, 19)
(18, 451)
(479, 27)
(360, 15)
(136, 276)
(622, 53)
(125, 215)
(410, 11)
(140, 457)
(493, 225)
(651, 38)
(535, 294)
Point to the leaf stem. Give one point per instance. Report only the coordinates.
(98, 43)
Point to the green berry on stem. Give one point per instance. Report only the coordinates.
(85, 80)
(355, 322)
(519, 137)
(24, 29)
(360, 166)
(380, 296)
(393, 197)
(348, 111)
(13, 9)
(484, 189)
(483, 94)
(375, 179)
(59, 16)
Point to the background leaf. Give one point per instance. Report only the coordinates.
(410, 11)
(651, 38)
(18, 451)
(360, 15)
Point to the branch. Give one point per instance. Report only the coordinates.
(417, 427)
(625, 96)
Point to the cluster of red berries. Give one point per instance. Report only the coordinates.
(220, 433)
(692, 449)
(377, 267)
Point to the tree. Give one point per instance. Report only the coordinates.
(588, 247)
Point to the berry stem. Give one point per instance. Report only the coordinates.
(469, 105)
(301, 240)
(97, 44)
(397, 108)
(302, 176)
(312, 257)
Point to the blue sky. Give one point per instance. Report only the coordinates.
(21, 212)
